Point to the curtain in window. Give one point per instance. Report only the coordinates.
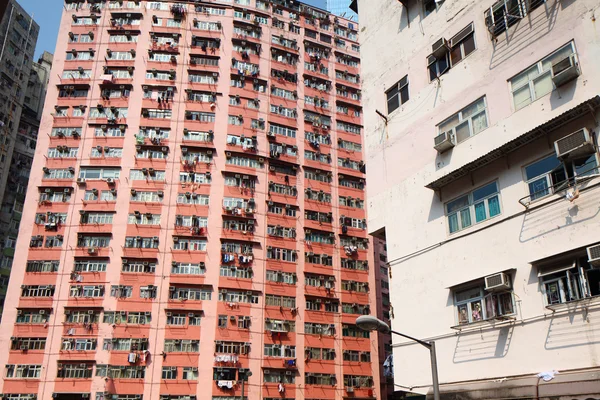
(465, 217)
(480, 212)
(479, 122)
(453, 222)
(494, 206)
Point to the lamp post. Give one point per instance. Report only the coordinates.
(243, 376)
(370, 323)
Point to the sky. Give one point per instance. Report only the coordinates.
(47, 14)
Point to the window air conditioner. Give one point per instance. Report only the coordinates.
(594, 255)
(565, 70)
(349, 389)
(574, 145)
(444, 141)
(499, 281)
(440, 48)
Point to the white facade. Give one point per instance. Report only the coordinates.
(410, 186)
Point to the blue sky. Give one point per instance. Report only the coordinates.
(47, 14)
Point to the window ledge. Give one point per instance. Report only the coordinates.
(588, 301)
(488, 322)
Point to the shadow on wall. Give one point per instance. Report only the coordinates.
(576, 328)
(482, 345)
(560, 214)
(524, 33)
(406, 19)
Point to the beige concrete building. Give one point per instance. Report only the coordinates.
(481, 125)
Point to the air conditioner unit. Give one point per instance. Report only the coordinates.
(565, 70)
(594, 255)
(574, 145)
(500, 281)
(349, 389)
(440, 48)
(444, 141)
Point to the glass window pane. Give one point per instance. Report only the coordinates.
(393, 103)
(469, 45)
(557, 56)
(524, 77)
(538, 188)
(463, 131)
(479, 122)
(473, 108)
(476, 311)
(522, 97)
(480, 214)
(585, 166)
(485, 191)
(457, 204)
(449, 123)
(465, 218)
(494, 206)
(453, 222)
(468, 294)
(456, 55)
(543, 85)
(541, 167)
(404, 94)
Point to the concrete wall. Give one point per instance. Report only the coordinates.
(402, 161)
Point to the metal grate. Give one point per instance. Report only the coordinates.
(494, 280)
(571, 142)
(441, 138)
(594, 252)
(562, 65)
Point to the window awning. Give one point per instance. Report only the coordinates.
(520, 141)
(480, 278)
(555, 269)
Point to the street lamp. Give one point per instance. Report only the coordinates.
(370, 323)
(243, 376)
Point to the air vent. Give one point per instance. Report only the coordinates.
(574, 145)
(594, 255)
(565, 70)
(444, 141)
(499, 281)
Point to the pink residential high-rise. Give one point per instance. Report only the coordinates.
(195, 223)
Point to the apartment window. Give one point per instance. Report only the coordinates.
(397, 95)
(437, 66)
(462, 44)
(23, 371)
(504, 14)
(476, 206)
(544, 177)
(476, 304)
(429, 6)
(536, 81)
(467, 122)
(569, 280)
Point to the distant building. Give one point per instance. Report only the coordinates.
(198, 174)
(18, 36)
(342, 9)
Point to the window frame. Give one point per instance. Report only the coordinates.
(398, 87)
(481, 299)
(567, 168)
(541, 73)
(469, 120)
(471, 207)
